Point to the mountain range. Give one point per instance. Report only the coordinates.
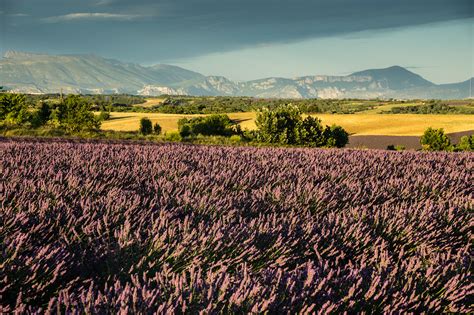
(89, 74)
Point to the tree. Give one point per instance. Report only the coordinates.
(285, 125)
(435, 140)
(312, 132)
(157, 128)
(42, 115)
(74, 114)
(219, 125)
(466, 143)
(13, 108)
(146, 126)
(279, 125)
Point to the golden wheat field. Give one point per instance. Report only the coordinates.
(360, 124)
(150, 102)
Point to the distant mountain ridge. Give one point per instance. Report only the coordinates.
(91, 74)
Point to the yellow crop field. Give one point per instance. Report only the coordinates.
(398, 124)
(360, 124)
(150, 102)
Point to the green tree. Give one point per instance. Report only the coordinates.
(157, 128)
(74, 114)
(312, 132)
(42, 115)
(219, 125)
(285, 125)
(280, 125)
(435, 140)
(146, 126)
(13, 108)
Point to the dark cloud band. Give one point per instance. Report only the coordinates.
(185, 28)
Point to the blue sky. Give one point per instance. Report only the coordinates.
(441, 52)
(248, 39)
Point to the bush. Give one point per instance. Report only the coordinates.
(235, 139)
(13, 109)
(466, 143)
(336, 136)
(218, 125)
(157, 128)
(146, 126)
(173, 136)
(435, 140)
(184, 129)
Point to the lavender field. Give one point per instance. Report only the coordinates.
(107, 228)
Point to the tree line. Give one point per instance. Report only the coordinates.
(282, 125)
(72, 113)
(431, 108)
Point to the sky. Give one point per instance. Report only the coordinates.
(250, 39)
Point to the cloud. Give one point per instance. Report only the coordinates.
(190, 28)
(91, 16)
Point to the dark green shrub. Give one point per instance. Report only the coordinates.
(146, 126)
(185, 130)
(336, 136)
(157, 128)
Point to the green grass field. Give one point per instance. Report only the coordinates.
(360, 124)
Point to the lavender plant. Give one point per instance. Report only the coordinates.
(174, 228)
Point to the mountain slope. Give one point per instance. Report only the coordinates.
(395, 78)
(41, 73)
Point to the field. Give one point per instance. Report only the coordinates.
(174, 228)
(359, 124)
(150, 102)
